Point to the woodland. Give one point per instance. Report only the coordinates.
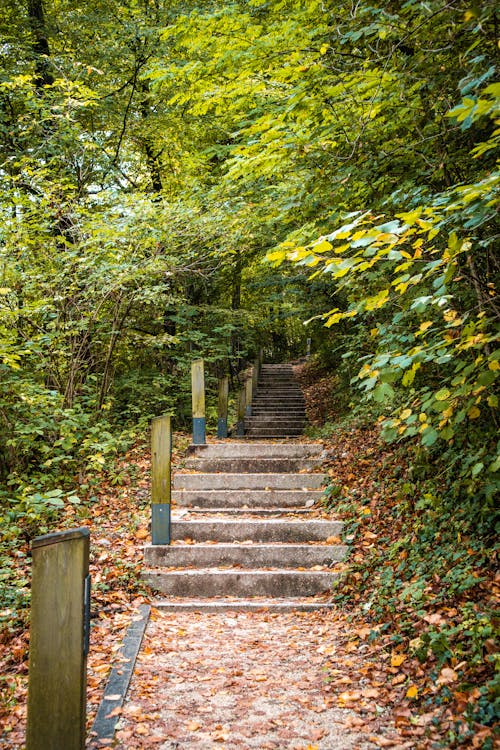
(195, 178)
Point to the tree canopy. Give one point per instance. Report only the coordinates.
(197, 177)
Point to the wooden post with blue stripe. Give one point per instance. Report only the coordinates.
(161, 455)
(222, 406)
(198, 396)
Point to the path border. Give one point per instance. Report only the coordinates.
(107, 716)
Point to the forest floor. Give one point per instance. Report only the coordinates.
(357, 667)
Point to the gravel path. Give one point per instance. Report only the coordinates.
(243, 680)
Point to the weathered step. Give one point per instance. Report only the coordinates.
(257, 530)
(245, 498)
(263, 432)
(250, 556)
(270, 423)
(239, 604)
(252, 465)
(262, 450)
(279, 414)
(247, 481)
(269, 398)
(240, 582)
(271, 436)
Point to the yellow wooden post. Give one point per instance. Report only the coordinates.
(161, 453)
(222, 407)
(60, 606)
(198, 398)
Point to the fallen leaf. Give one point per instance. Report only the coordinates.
(397, 660)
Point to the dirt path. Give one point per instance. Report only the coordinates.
(251, 680)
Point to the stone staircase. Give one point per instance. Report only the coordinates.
(245, 529)
(278, 407)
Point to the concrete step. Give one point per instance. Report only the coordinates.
(257, 530)
(247, 481)
(252, 465)
(232, 449)
(207, 583)
(271, 436)
(264, 433)
(245, 498)
(254, 511)
(246, 555)
(276, 414)
(268, 398)
(240, 604)
(263, 420)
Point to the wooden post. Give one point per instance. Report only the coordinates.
(60, 608)
(242, 402)
(198, 396)
(161, 453)
(222, 406)
(308, 352)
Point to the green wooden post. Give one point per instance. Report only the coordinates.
(60, 606)
(222, 407)
(242, 402)
(198, 397)
(161, 452)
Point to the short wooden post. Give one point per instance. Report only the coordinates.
(242, 402)
(60, 608)
(308, 351)
(161, 453)
(198, 396)
(222, 407)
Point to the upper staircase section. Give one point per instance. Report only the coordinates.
(278, 407)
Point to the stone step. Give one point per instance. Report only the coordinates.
(245, 498)
(255, 511)
(283, 414)
(233, 449)
(257, 530)
(279, 414)
(240, 604)
(268, 398)
(252, 465)
(271, 436)
(247, 555)
(247, 481)
(207, 583)
(264, 388)
(261, 432)
(265, 421)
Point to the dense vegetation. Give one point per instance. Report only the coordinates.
(186, 178)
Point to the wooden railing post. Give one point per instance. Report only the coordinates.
(222, 407)
(198, 397)
(161, 456)
(60, 609)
